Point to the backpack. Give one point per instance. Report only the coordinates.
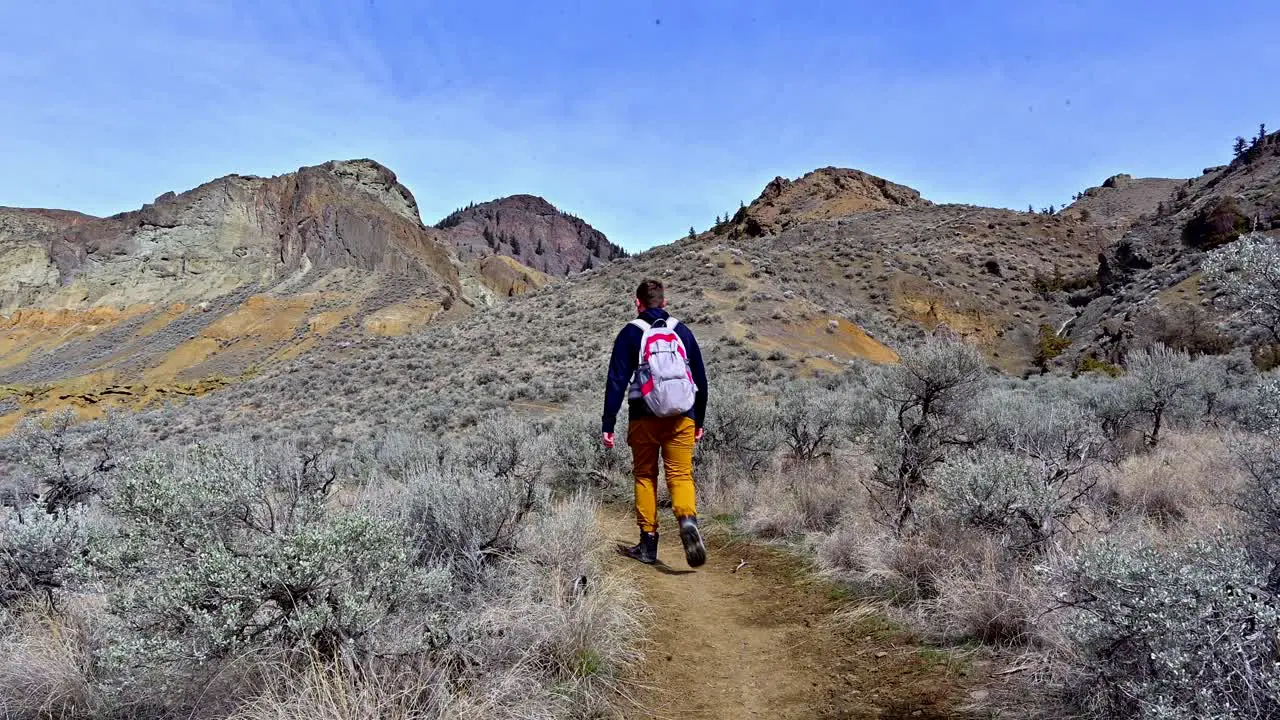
(663, 377)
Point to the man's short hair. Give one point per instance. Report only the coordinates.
(650, 294)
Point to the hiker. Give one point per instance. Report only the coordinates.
(657, 366)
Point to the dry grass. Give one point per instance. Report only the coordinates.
(46, 663)
(1185, 486)
(794, 499)
(323, 692)
(997, 602)
(724, 488)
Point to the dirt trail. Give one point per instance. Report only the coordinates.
(762, 641)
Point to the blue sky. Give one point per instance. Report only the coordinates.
(641, 116)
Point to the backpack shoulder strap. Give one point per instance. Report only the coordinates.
(671, 323)
(644, 330)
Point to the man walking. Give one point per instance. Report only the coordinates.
(657, 366)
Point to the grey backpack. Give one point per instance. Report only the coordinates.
(663, 376)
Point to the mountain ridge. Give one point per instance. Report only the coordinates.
(531, 230)
(830, 267)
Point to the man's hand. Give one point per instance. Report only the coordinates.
(606, 439)
(698, 435)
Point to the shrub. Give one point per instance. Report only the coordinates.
(1248, 271)
(1186, 327)
(905, 568)
(1049, 345)
(1220, 393)
(1259, 457)
(807, 418)
(1023, 500)
(505, 447)
(925, 395)
(36, 550)
(1262, 412)
(219, 551)
(64, 462)
(1043, 426)
(1215, 225)
(577, 459)
(464, 516)
(1158, 380)
(1048, 284)
(1090, 363)
(994, 601)
(740, 430)
(1182, 633)
(1109, 405)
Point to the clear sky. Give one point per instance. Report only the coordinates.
(641, 116)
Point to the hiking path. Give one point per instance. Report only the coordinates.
(753, 633)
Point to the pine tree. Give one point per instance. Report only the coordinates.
(1239, 146)
(1262, 132)
(692, 234)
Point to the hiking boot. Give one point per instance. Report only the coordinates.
(646, 551)
(695, 553)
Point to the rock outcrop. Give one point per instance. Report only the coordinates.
(530, 230)
(824, 194)
(228, 233)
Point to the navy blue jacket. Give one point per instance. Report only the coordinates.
(622, 366)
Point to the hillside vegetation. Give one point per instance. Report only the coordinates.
(1045, 455)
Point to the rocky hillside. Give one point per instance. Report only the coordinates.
(24, 257)
(836, 266)
(530, 230)
(1149, 285)
(808, 300)
(1121, 201)
(823, 194)
(196, 289)
(900, 265)
(248, 276)
(18, 223)
(233, 232)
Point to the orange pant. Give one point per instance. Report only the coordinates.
(674, 436)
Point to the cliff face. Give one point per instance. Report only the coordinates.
(226, 234)
(225, 280)
(531, 231)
